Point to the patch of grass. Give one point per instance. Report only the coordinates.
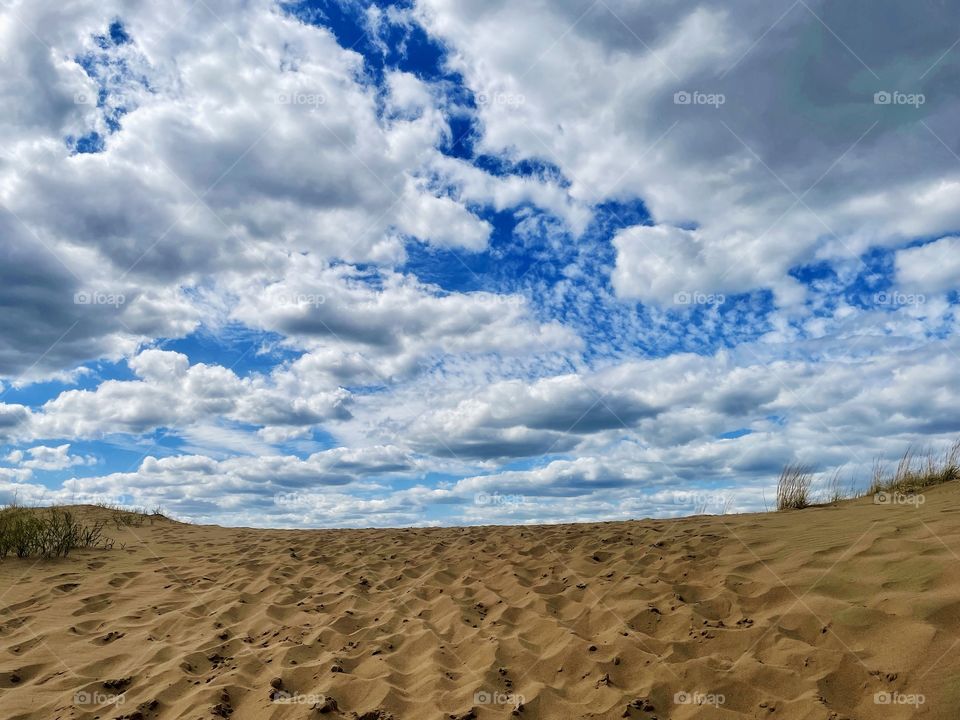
(48, 533)
(834, 491)
(131, 517)
(793, 487)
(916, 471)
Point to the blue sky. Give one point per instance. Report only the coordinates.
(350, 264)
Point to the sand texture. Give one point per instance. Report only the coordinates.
(849, 611)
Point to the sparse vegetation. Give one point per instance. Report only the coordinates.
(47, 532)
(131, 517)
(793, 487)
(913, 472)
(916, 471)
(834, 491)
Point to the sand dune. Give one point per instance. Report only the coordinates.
(850, 611)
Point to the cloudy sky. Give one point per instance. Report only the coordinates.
(472, 261)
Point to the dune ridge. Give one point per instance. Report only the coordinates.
(848, 611)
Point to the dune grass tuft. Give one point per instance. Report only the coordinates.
(916, 471)
(793, 487)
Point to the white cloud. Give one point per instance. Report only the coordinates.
(931, 268)
(41, 457)
(262, 182)
(255, 138)
(171, 393)
(797, 164)
(388, 320)
(661, 264)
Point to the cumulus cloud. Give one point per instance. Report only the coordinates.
(43, 457)
(514, 419)
(172, 393)
(213, 144)
(277, 487)
(384, 312)
(721, 429)
(930, 268)
(721, 116)
(12, 418)
(662, 264)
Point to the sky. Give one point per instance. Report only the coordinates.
(351, 264)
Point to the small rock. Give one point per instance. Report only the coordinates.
(374, 715)
(119, 684)
(328, 705)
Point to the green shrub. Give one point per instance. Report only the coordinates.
(47, 533)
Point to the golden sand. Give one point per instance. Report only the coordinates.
(850, 611)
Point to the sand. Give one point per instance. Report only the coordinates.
(848, 611)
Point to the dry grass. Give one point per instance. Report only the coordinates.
(916, 471)
(913, 472)
(133, 517)
(793, 487)
(834, 491)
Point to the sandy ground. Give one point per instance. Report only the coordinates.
(850, 611)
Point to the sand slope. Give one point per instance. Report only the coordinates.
(801, 615)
